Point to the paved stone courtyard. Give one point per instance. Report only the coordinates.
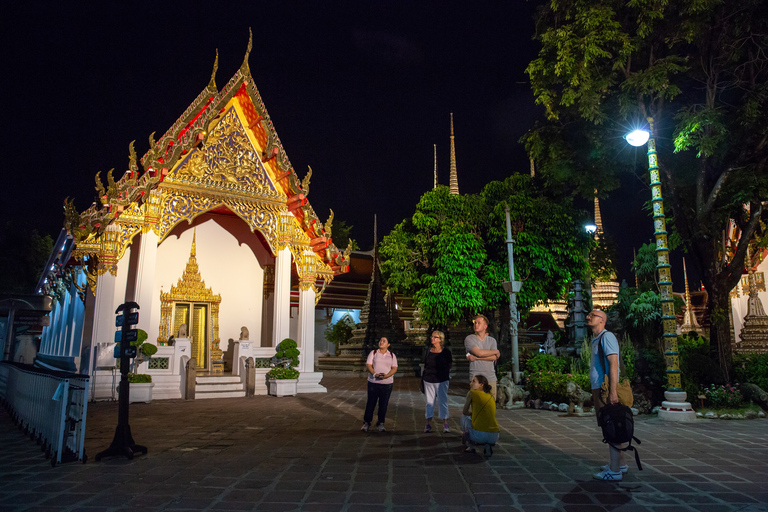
(307, 453)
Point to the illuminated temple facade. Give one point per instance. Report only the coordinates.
(211, 229)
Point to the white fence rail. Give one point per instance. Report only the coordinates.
(48, 405)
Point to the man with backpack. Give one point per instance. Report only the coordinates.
(605, 362)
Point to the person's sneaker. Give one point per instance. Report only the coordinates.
(623, 469)
(608, 476)
(365, 427)
(427, 428)
(381, 428)
(446, 428)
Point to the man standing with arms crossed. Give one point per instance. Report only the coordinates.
(482, 352)
(596, 319)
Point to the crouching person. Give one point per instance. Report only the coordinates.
(479, 420)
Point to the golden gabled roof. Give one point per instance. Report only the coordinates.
(179, 145)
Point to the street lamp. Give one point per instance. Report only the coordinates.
(675, 408)
(512, 287)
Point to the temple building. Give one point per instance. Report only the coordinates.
(212, 234)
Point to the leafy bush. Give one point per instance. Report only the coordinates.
(697, 367)
(724, 396)
(552, 386)
(340, 332)
(752, 368)
(279, 372)
(546, 363)
(139, 378)
(628, 357)
(286, 349)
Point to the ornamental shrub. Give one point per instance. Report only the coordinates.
(552, 386)
(724, 396)
(279, 372)
(752, 368)
(546, 363)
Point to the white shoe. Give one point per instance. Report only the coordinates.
(365, 427)
(623, 469)
(608, 476)
(381, 428)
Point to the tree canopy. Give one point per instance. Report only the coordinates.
(451, 255)
(699, 70)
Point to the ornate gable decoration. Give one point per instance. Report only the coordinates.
(227, 159)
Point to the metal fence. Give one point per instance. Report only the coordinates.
(48, 405)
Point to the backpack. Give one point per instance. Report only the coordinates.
(618, 424)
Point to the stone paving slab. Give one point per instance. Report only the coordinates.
(307, 453)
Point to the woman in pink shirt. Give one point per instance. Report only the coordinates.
(382, 365)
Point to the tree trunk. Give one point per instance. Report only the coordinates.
(718, 303)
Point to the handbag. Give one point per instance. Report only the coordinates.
(623, 388)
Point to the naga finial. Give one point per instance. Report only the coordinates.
(248, 50)
(100, 186)
(305, 182)
(329, 223)
(133, 165)
(212, 83)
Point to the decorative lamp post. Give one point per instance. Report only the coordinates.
(512, 287)
(675, 408)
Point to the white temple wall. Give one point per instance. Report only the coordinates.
(226, 253)
(739, 304)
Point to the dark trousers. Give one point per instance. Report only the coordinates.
(380, 393)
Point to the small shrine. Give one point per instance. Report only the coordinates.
(212, 234)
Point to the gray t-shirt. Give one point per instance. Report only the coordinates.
(481, 367)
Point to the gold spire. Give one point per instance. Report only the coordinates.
(533, 167)
(435, 185)
(193, 252)
(212, 83)
(598, 218)
(244, 67)
(689, 319)
(454, 177)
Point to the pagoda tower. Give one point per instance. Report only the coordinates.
(454, 177)
(604, 293)
(375, 316)
(754, 330)
(435, 184)
(689, 318)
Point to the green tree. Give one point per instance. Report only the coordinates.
(699, 69)
(23, 255)
(451, 255)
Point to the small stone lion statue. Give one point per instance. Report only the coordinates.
(244, 335)
(578, 397)
(182, 331)
(508, 393)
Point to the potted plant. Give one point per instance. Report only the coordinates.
(140, 383)
(283, 378)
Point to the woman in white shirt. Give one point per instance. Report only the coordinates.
(382, 365)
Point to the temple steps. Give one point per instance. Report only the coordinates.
(220, 386)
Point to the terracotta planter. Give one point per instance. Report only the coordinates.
(283, 387)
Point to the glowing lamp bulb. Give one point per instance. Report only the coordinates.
(637, 137)
(590, 228)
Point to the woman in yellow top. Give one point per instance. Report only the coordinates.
(479, 420)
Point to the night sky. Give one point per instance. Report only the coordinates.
(359, 91)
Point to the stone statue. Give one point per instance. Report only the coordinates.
(549, 344)
(244, 333)
(182, 331)
(578, 398)
(509, 393)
